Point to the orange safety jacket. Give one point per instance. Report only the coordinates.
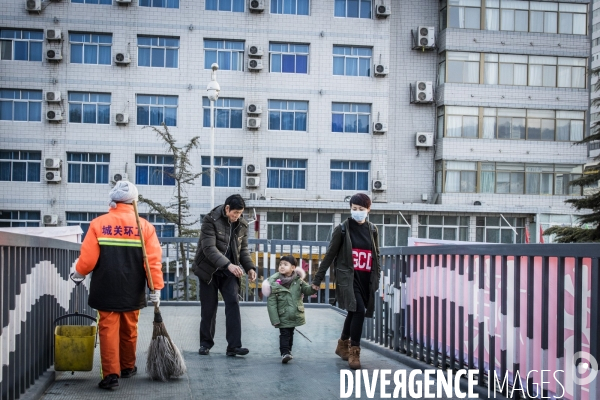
(113, 251)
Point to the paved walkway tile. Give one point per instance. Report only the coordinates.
(314, 373)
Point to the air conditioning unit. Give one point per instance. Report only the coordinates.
(53, 176)
(123, 1)
(121, 118)
(381, 70)
(383, 11)
(252, 181)
(423, 92)
(256, 6)
(253, 123)
(379, 127)
(379, 185)
(52, 97)
(53, 34)
(254, 109)
(255, 51)
(255, 65)
(122, 58)
(33, 5)
(50, 219)
(424, 139)
(120, 177)
(52, 162)
(53, 55)
(53, 116)
(426, 37)
(252, 169)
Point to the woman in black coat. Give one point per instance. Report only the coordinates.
(355, 250)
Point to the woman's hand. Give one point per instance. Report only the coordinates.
(315, 287)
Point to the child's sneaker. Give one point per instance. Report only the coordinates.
(285, 358)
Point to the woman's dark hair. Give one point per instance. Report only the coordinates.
(290, 259)
(360, 199)
(235, 202)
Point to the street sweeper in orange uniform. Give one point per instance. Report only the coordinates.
(112, 250)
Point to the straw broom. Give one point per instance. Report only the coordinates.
(164, 359)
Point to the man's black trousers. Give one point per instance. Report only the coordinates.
(228, 285)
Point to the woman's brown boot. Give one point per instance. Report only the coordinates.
(342, 348)
(354, 357)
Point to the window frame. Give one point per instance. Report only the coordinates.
(357, 56)
(359, 10)
(160, 223)
(151, 4)
(281, 4)
(356, 113)
(296, 113)
(287, 53)
(385, 226)
(297, 173)
(482, 227)
(98, 45)
(352, 169)
(223, 105)
(82, 104)
(103, 164)
(461, 229)
(163, 165)
(155, 48)
(238, 52)
(162, 108)
(13, 221)
(28, 41)
(291, 221)
(23, 157)
(220, 167)
(29, 102)
(83, 223)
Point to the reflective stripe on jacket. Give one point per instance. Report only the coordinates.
(113, 251)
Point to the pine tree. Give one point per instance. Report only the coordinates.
(177, 211)
(589, 224)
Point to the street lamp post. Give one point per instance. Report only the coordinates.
(213, 90)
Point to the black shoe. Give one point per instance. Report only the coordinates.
(129, 372)
(109, 382)
(238, 351)
(204, 351)
(285, 358)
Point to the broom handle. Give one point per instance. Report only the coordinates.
(137, 220)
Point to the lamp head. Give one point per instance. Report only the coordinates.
(214, 66)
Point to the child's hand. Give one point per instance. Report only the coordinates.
(276, 324)
(315, 287)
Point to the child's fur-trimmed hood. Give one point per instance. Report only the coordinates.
(266, 285)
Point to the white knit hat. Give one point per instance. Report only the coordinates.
(123, 192)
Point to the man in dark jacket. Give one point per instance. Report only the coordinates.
(220, 262)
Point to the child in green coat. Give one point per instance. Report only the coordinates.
(285, 291)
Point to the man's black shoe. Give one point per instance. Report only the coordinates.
(204, 351)
(238, 351)
(129, 372)
(109, 382)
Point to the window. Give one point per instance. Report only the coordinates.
(461, 14)
(297, 7)
(569, 125)
(349, 175)
(154, 170)
(158, 52)
(11, 219)
(82, 219)
(353, 8)
(289, 58)
(500, 230)
(462, 122)
(21, 45)
(90, 48)
(228, 54)
(462, 67)
(287, 115)
(299, 226)
(352, 61)
(285, 173)
(228, 171)
(444, 227)
(156, 110)
(20, 105)
(461, 176)
(159, 3)
(20, 166)
(350, 117)
(225, 5)
(88, 167)
(513, 69)
(164, 228)
(504, 123)
(228, 113)
(89, 108)
(107, 2)
(393, 229)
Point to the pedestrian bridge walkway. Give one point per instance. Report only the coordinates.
(313, 374)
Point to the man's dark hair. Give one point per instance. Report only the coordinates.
(360, 199)
(235, 202)
(290, 259)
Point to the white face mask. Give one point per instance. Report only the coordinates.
(359, 216)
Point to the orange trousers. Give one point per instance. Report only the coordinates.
(118, 340)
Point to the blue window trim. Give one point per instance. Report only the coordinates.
(12, 102)
(228, 171)
(20, 166)
(94, 166)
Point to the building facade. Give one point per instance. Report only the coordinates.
(457, 117)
